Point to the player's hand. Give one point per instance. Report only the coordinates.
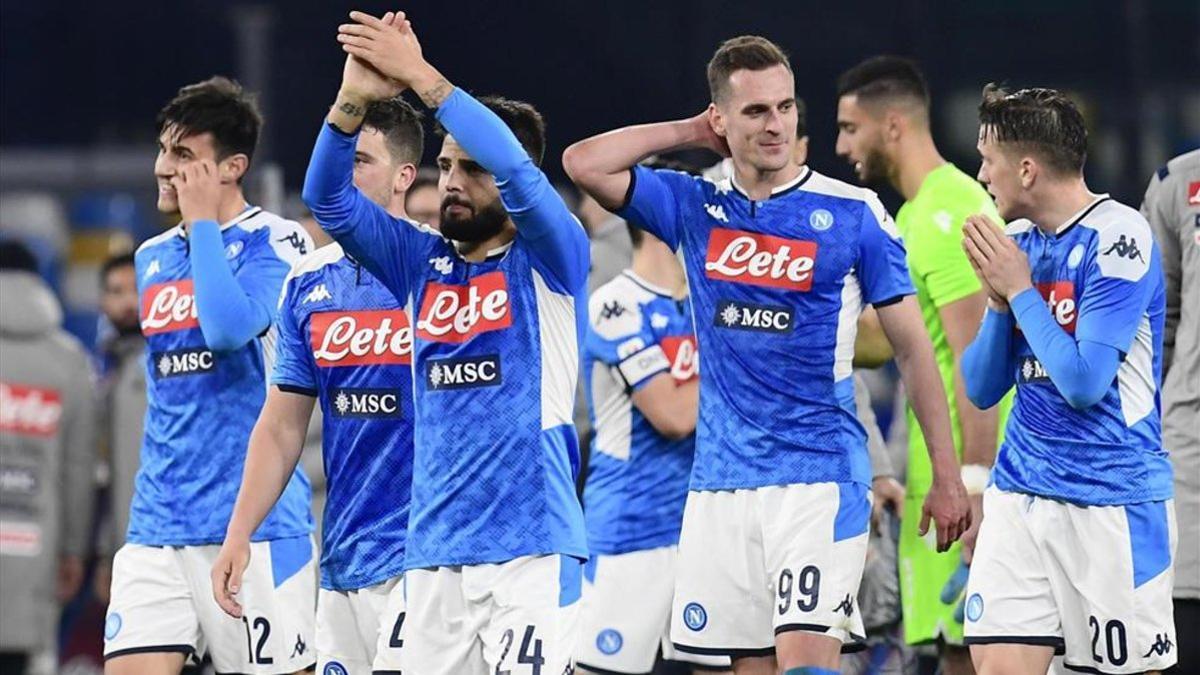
(972, 533)
(198, 189)
(948, 507)
(1003, 266)
(995, 300)
(707, 138)
(391, 47)
(70, 577)
(232, 561)
(888, 493)
(361, 81)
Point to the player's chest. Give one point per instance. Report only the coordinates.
(458, 301)
(353, 324)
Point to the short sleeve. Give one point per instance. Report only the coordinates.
(657, 202)
(883, 271)
(294, 368)
(619, 337)
(1117, 284)
(276, 249)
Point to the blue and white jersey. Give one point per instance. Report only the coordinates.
(496, 354)
(637, 479)
(344, 339)
(203, 403)
(1101, 276)
(777, 286)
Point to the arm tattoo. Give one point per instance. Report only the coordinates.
(352, 109)
(439, 92)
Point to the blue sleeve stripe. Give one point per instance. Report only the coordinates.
(1149, 540)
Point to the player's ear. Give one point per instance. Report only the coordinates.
(233, 167)
(404, 178)
(891, 126)
(716, 119)
(1027, 172)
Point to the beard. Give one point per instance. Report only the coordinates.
(482, 224)
(875, 168)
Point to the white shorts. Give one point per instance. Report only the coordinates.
(757, 563)
(1094, 582)
(162, 601)
(625, 616)
(359, 631)
(519, 617)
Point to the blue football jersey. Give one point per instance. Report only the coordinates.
(496, 360)
(1101, 275)
(344, 339)
(637, 479)
(777, 286)
(202, 403)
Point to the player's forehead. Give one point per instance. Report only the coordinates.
(850, 108)
(452, 152)
(174, 136)
(372, 143)
(770, 86)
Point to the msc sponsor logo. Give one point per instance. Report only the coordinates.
(368, 338)
(694, 616)
(169, 306)
(456, 313)
(29, 411)
(746, 316)
(366, 403)
(463, 373)
(760, 259)
(183, 362)
(1032, 371)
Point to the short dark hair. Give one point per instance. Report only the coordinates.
(218, 106)
(115, 262)
(16, 256)
(1041, 121)
(522, 118)
(744, 52)
(400, 124)
(885, 78)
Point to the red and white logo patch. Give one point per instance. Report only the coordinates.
(452, 313)
(368, 338)
(169, 306)
(682, 354)
(1060, 298)
(29, 411)
(1194, 193)
(760, 259)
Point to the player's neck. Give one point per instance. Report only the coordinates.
(1065, 200)
(477, 251)
(654, 262)
(233, 203)
(758, 184)
(916, 159)
(395, 207)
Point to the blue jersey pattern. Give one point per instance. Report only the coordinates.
(346, 340)
(637, 479)
(496, 352)
(777, 286)
(201, 403)
(1102, 279)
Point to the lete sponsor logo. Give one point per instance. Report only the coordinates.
(1060, 298)
(760, 259)
(29, 411)
(378, 337)
(454, 313)
(682, 355)
(169, 306)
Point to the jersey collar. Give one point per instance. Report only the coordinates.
(246, 214)
(779, 190)
(657, 290)
(1081, 214)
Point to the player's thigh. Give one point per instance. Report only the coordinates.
(625, 610)
(1010, 600)
(723, 598)
(340, 644)
(532, 622)
(151, 615)
(386, 602)
(1011, 659)
(1113, 577)
(441, 629)
(278, 598)
(815, 538)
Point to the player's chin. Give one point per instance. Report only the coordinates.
(167, 203)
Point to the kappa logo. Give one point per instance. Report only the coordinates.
(367, 403)
(317, 294)
(845, 606)
(457, 313)
(1125, 247)
(944, 221)
(820, 220)
(695, 617)
(151, 269)
(463, 373)
(183, 362)
(717, 212)
(29, 411)
(745, 316)
(1161, 647)
(169, 306)
(612, 310)
(760, 259)
(296, 241)
(367, 338)
(1032, 371)
(443, 264)
(300, 646)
